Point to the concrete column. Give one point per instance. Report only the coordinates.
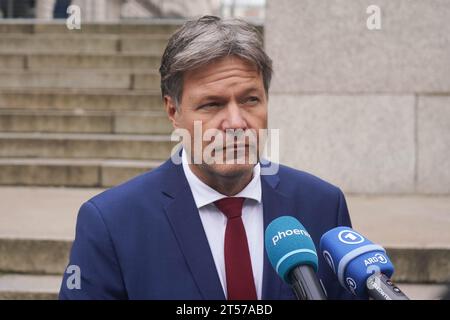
(99, 10)
(364, 108)
(44, 9)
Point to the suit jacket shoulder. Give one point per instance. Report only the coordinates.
(139, 239)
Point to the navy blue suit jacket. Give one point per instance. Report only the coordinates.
(144, 239)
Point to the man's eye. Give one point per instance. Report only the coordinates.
(252, 100)
(209, 105)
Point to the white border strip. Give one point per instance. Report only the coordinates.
(287, 255)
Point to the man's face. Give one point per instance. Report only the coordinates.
(225, 94)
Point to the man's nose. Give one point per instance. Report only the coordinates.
(234, 118)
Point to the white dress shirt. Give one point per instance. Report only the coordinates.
(214, 221)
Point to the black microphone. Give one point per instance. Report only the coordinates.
(361, 266)
(293, 255)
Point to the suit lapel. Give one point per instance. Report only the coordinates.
(188, 229)
(184, 218)
(275, 204)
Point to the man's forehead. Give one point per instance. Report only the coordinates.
(223, 68)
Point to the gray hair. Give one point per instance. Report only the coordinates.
(199, 42)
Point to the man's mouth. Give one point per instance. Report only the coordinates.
(235, 147)
(239, 146)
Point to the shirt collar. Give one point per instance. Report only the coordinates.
(204, 194)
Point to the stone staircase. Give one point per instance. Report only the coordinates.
(80, 108)
(81, 111)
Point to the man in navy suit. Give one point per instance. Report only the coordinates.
(194, 229)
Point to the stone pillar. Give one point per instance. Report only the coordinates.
(190, 9)
(44, 9)
(99, 10)
(178, 8)
(366, 109)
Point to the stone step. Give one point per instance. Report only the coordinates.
(81, 99)
(85, 79)
(87, 146)
(420, 264)
(54, 61)
(106, 61)
(12, 61)
(402, 220)
(63, 121)
(29, 287)
(34, 256)
(153, 26)
(161, 27)
(82, 43)
(19, 43)
(38, 256)
(143, 45)
(39, 213)
(70, 172)
(420, 291)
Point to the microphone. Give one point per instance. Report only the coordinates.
(361, 266)
(292, 254)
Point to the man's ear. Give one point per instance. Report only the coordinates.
(171, 111)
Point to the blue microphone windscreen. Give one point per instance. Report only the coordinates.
(353, 258)
(288, 245)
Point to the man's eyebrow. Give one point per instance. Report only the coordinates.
(218, 97)
(210, 97)
(249, 90)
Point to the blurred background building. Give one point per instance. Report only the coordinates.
(368, 110)
(114, 10)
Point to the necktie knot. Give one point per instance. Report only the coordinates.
(231, 207)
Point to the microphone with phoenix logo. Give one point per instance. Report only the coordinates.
(292, 253)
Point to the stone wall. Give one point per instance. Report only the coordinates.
(368, 110)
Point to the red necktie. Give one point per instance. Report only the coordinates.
(238, 265)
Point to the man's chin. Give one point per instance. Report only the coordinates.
(229, 170)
